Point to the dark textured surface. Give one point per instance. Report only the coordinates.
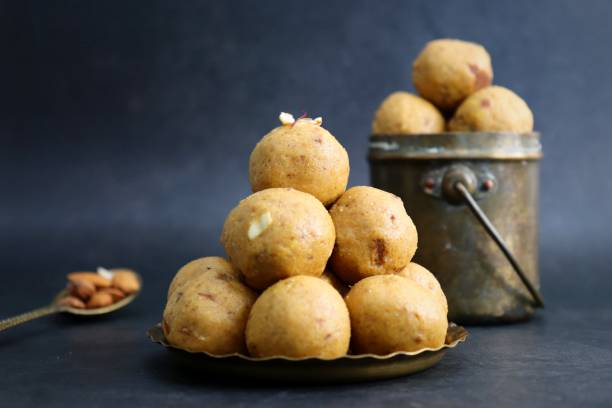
(561, 358)
(125, 129)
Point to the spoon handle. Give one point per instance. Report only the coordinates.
(27, 316)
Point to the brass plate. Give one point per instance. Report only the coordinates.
(350, 368)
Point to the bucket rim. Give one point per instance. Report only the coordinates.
(456, 145)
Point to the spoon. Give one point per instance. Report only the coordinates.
(56, 307)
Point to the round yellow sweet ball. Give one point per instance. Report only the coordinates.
(425, 279)
(299, 317)
(390, 313)
(198, 267)
(447, 71)
(304, 156)
(403, 113)
(208, 313)
(374, 234)
(493, 109)
(278, 233)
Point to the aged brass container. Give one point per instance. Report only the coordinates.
(500, 171)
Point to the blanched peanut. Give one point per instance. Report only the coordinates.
(72, 301)
(82, 289)
(115, 293)
(126, 281)
(100, 299)
(91, 277)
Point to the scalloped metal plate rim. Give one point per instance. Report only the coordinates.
(455, 335)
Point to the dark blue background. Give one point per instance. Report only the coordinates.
(125, 127)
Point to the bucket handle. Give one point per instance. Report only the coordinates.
(456, 185)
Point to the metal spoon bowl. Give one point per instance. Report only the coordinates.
(56, 307)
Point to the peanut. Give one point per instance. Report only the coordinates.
(259, 225)
(286, 118)
(92, 277)
(115, 293)
(100, 299)
(82, 289)
(126, 281)
(71, 301)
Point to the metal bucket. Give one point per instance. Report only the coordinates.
(474, 200)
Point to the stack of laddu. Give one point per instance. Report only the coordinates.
(312, 270)
(453, 79)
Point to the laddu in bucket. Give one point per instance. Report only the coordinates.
(487, 165)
